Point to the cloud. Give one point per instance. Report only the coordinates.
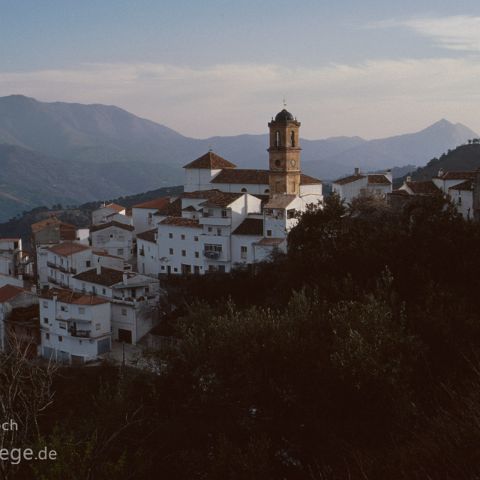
(458, 32)
(372, 99)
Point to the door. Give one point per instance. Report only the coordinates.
(124, 335)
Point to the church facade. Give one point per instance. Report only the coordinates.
(228, 216)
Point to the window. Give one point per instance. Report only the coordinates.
(269, 233)
(292, 138)
(213, 248)
(170, 251)
(62, 325)
(81, 310)
(221, 268)
(45, 304)
(219, 231)
(97, 326)
(184, 253)
(197, 255)
(267, 191)
(211, 212)
(63, 308)
(162, 267)
(209, 229)
(60, 338)
(277, 138)
(45, 320)
(88, 263)
(47, 336)
(243, 252)
(170, 235)
(175, 269)
(195, 239)
(119, 251)
(291, 213)
(182, 236)
(104, 291)
(225, 212)
(124, 312)
(111, 235)
(244, 190)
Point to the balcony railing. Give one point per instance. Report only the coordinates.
(212, 254)
(74, 332)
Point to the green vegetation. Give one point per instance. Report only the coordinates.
(352, 356)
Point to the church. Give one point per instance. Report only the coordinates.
(227, 216)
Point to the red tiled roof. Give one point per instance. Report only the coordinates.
(36, 227)
(173, 209)
(154, 204)
(105, 254)
(103, 226)
(308, 180)
(148, 236)
(68, 248)
(349, 179)
(250, 226)
(244, 175)
(270, 241)
(8, 292)
(280, 201)
(210, 161)
(426, 187)
(181, 222)
(67, 296)
(459, 175)
(107, 277)
(378, 179)
(114, 206)
(467, 185)
(221, 199)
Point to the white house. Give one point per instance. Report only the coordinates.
(109, 213)
(143, 213)
(75, 327)
(115, 238)
(147, 253)
(461, 195)
(359, 184)
(134, 300)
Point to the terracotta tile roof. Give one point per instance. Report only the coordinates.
(114, 206)
(68, 248)
(210, 161)
(67, 296)
(173, 209)
(426, 187)
(103, 226)
(399, 192)
(26, 315)
(270, 242)
(181, 222)
(308, 180)
(36, 227)
(378, 179)
(190, 208)
(221, 199)
(9, 239)
(280, 201)
(465, 175)
(349, 179)
(468, 185)
(157, 203)
(149, 235)
(107, 277)
(250, 226)
(244, 175)
(8, 292)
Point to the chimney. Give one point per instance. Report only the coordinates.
(409, 179)
(99, 269)
(155, 236)
(357, 171)
(440, 173)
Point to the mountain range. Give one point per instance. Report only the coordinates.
(72, 153)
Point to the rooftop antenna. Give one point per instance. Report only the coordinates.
(284, 102)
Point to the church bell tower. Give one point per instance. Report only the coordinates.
(284, 155)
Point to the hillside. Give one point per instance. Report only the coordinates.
(465, 157)
(71, 153)
(79, 216)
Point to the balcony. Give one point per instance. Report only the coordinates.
(212, 254)
(74, 332)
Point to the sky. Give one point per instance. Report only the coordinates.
(371, 68)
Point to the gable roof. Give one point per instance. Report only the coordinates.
(250, 226)
(181, 222)
(148, 236)
(172, 209)
(7, 292)
(280, 201)
(243, 175)
(157, 203)
(308, 180)
(107, 276)
(378, 179)
(48, 222)
(103, 226)
(349, 179)
(210, 161)
(113, 206)
(221, 199)
(68, 248)
(426, 187)
(467, 185)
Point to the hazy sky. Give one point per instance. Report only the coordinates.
(204, 67)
